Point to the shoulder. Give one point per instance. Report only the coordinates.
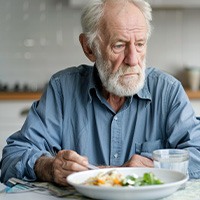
(158, 79)
(71, 79)
(81, 71)
(154, 74)
(160, 83)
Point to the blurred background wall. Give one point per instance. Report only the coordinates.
(40, 37)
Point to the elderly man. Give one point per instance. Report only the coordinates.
(114, 113)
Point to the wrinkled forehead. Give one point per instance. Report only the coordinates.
(123, 15)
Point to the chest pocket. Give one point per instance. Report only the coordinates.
(146, 148)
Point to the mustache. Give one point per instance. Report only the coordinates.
(125, 69)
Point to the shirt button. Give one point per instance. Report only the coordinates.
(116, 155)
(115, 118)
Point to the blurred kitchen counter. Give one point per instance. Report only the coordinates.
(193, 95)
(20, 95)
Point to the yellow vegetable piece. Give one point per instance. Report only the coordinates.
(116, 181)
(100, 181)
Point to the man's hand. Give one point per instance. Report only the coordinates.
(57, 169)
(138, 161)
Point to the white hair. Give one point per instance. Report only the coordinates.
(94, 11)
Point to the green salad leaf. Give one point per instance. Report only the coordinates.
(147, 179)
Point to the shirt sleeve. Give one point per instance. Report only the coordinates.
(39, 136)
(182, 127)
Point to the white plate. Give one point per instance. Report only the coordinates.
(172, 182)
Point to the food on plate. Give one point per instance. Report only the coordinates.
(114, 178)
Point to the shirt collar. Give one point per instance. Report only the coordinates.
(144, 93)
(94, 83)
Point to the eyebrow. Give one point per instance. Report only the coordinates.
(142, 39)
(115, 40)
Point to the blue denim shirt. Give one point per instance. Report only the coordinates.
(72, 114)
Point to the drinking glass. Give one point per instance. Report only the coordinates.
(173, 159)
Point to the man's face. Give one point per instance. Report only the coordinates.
(123, 40)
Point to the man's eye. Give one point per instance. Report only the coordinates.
(119, 47)
(140, 44)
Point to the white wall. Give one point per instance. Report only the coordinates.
(37, 37)
(175, 42)
(11, 118)
(40, 37)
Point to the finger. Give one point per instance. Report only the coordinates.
(60, 177)
(71, 155)
(66, 163)
(148, 162)
(75, 158)
(73, 166)
(139, 161)
(60, 174)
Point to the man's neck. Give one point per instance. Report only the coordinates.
(115, 101)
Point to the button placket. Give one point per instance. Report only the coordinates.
(115, 141)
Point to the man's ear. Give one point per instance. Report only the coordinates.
(87, 50)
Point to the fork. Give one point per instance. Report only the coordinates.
(92, 167)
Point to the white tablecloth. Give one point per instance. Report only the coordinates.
(191, 192)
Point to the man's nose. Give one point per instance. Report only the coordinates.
(131, 56)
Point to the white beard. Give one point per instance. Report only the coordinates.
(115, 83)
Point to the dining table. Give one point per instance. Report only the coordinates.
(49, 191)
